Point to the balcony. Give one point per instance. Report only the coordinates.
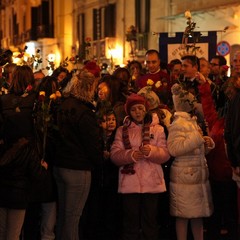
(101, 47)
(5, 3)
(30, 35)
(17, 40)
(45, 31)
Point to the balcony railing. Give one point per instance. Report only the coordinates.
(5, 3)
(17, 40)
(30, 35)
(44, 31)
(142, 41)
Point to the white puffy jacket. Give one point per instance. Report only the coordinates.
(190, 193)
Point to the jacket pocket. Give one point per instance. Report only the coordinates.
(187, 175)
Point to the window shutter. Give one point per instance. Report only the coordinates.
(110, 21)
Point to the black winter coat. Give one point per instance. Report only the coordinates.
(23, 165)
(232, 130)
(78, 143)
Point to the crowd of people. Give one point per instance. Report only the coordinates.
(148, 152)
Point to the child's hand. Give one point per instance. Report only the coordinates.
(138, 155)
(208, 142)
(237, 171)
(44, 164)
(145, 149)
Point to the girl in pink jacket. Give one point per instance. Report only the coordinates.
(139, 149)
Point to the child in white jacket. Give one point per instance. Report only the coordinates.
(190, 193)
(139, 149)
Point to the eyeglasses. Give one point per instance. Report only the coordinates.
(214, 64)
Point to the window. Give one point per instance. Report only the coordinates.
(81, 27)
(104, 22)
(142, 19)
(97, 23)
(110, 21)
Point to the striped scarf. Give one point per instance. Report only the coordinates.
(129, 168)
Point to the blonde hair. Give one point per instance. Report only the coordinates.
(82, 86)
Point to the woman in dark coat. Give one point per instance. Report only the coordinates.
(223, 188)
(20, 163)
(40, 218)
(232, 131)
(77, 151)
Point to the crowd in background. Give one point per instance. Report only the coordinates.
(148, 152)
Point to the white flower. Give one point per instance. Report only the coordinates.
(150, 82)
(53, 96)
(176, 89)
(187, 14)
(58, 94)
(42, 93)
(158, 84)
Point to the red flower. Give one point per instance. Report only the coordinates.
(20, 55)
(29, 88)
(88, 39)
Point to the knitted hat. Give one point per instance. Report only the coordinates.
(183, 100)
(135, 99)
(93, 68)
(151, 97)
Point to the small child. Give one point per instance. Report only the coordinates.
(109, 125)
(102, 209)
(110, 197)
(139, 149)
(190, 193)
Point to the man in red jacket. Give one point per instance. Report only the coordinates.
(160, 79)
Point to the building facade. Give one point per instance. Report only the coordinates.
(112, 31)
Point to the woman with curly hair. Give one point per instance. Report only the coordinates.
(77, 151)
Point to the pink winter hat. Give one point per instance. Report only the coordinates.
(135, 99)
